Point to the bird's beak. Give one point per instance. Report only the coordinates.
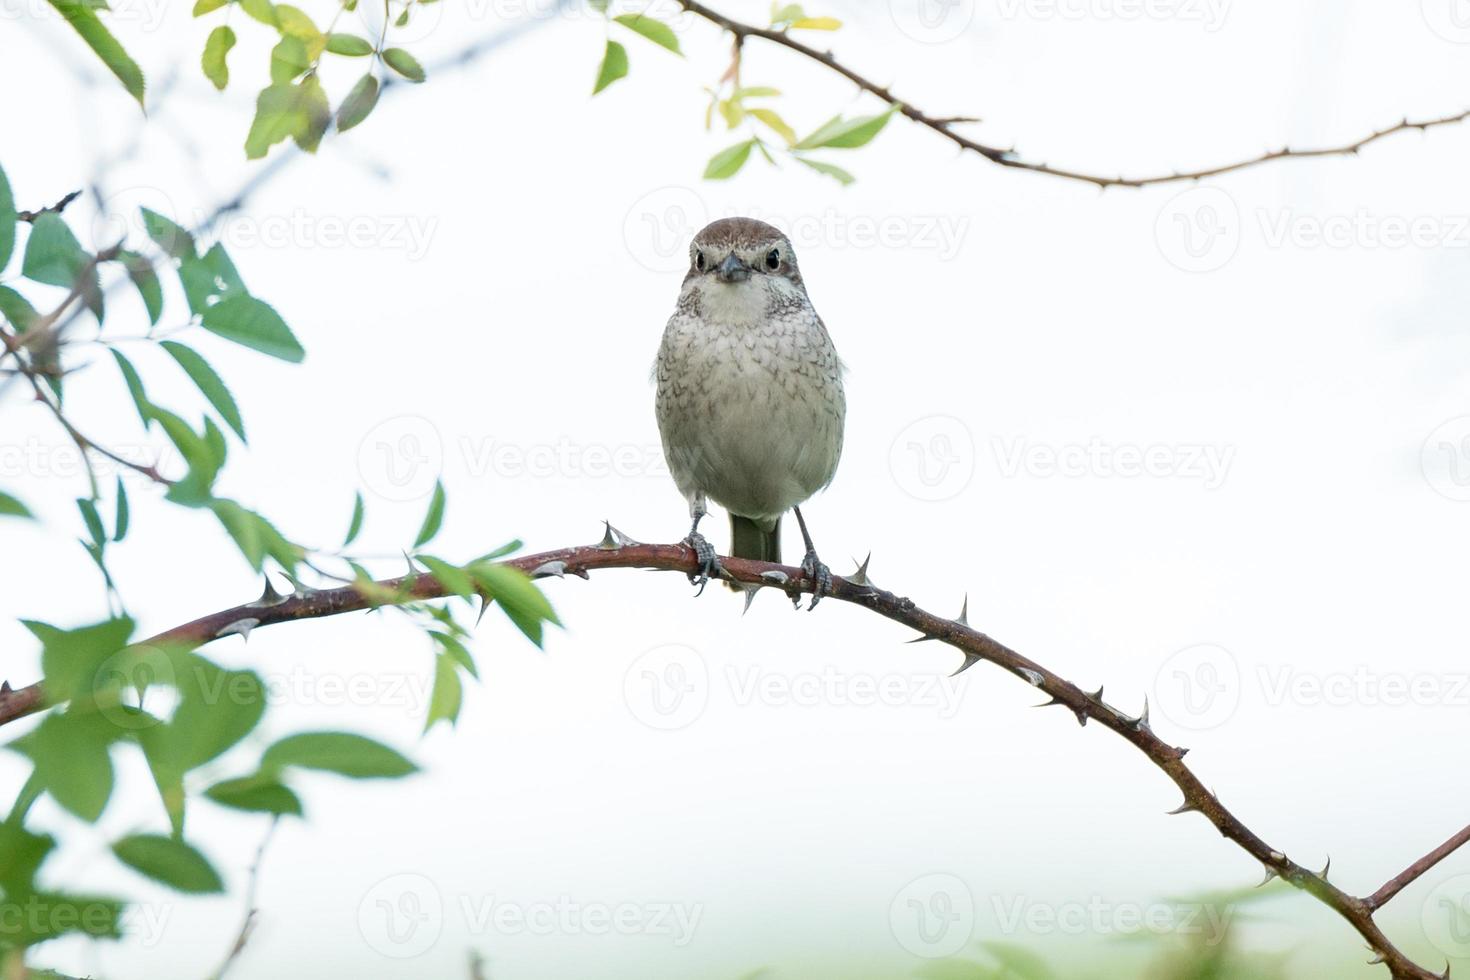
(732, 269)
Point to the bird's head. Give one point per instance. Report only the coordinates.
(741, 250)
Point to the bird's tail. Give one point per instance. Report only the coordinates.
(749, 540)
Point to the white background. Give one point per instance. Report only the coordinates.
(1003, 320)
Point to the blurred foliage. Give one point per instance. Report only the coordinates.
(179, 710)
(295, 106)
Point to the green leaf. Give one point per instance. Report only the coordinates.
(773, 119)
(290, 58)
(120, 529)
(7, 222)
(70, 658)
(355, 527)
(522, 602)
(219, 43)
(254, 324)
(168, 236)
(209, 383)
(815, 24)
(455, 580)
(847, 134)
(53, 254)
(202, 7)
(169, 861)
(93, 520)
(727, 162)
(280, 114)
(448, 693)
(457, 650)
(434, 518)
(655, 30)
(614, 66)
(10, 507)
(755, 92)
(17, 309)
(341, 752)
(135, 387)
(842, 176)
(257, 794)
(404, 63)
(145, 280)
(318, 113)
(70, 752)
(261, 10)
(82, 16)
(358, 103)
(348, 44)
(294, 22)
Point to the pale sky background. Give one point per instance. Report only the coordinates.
(1291, 564)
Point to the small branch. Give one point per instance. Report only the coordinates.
(1406, 877)
(56, 208)
(252, 911)
(617, 551)
(1006, 157)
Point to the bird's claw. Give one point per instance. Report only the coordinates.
(821, 578)
(709, 561)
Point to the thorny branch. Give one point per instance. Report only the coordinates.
(1007, 157)
(617, 551)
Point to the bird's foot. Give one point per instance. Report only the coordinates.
(821, 577)
(709, 562)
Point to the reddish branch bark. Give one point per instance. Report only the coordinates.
(618, 552)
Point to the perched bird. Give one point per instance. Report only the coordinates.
(750, 403)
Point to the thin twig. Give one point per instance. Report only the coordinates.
(1410, 874)
(1006, 157)
(616, 551)
(56, 208)
(247, 927)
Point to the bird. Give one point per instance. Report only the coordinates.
(750, 402)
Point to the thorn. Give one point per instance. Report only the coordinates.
(613, 539)
(1095, 695)
(1140, 724)
(1081, 715)
(412, 571)
(775, 576)
(240, 626)
(970, 658)
(964, 617)
(860, 577)
(484, 604)
(926, 638)
(1277, 856)
(1270, 873)
(1186, 807)
(5, 687)
(1377, 958)
(270, 596)
(1181, 750)
(549, 569)
(1325, 868)
(1032, 677)
(750, 595)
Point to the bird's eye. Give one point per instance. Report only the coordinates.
(773, 259)
(699, 261)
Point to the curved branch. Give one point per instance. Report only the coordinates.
(1007, 157)
(617, 551)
